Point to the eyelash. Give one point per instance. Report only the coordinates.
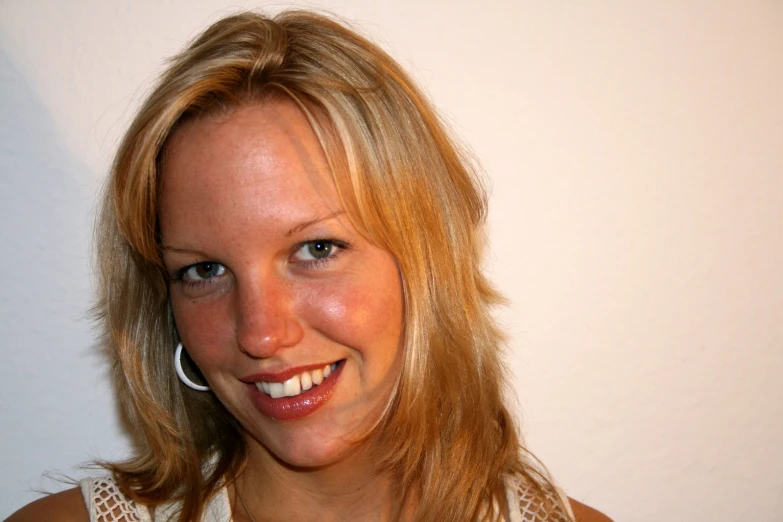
(317, 263)
(178, 275)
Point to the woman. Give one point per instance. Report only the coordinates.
(290, 282)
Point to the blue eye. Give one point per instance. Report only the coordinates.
(201, 271)
(316, 250)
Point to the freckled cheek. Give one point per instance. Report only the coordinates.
(205, 329)
(356, 315)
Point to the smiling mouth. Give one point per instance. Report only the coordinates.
(297, 384)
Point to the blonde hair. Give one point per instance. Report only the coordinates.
(446, 434)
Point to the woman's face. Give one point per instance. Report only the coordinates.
(292, 316)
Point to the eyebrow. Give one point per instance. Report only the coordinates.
(288, 233)
(306, 224)
(182, 250)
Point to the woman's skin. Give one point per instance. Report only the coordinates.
(268, 278)
(68, 506)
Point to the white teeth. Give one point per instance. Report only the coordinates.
(292, 387)
(276, 390)
(318, 377)
(296, 384)
(307, 381)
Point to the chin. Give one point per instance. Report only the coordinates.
(313, 454)
(339, 432)
(323, 444)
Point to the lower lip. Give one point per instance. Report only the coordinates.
(299, 407)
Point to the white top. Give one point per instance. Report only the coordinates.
(106, 503)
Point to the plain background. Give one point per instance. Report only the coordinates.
(635, 155)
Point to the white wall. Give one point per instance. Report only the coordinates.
(636, 155)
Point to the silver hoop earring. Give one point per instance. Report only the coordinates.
(181, 373)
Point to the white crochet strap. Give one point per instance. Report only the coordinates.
(531, 507)
(106, 503)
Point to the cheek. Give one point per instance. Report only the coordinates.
(362, 313)
(204, 328)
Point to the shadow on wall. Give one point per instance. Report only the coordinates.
(57, 409)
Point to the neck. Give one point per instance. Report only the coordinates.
(348, 490)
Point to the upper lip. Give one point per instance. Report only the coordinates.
(283, 375)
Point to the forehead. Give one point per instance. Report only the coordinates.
(259, 138)
(250, 163)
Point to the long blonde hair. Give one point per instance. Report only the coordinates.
(446, 435)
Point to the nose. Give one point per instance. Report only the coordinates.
(266, 319)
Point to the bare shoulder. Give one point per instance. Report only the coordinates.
(66, 506)
(584, 513)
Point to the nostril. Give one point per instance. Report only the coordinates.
(263, 336)
(266, 315)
